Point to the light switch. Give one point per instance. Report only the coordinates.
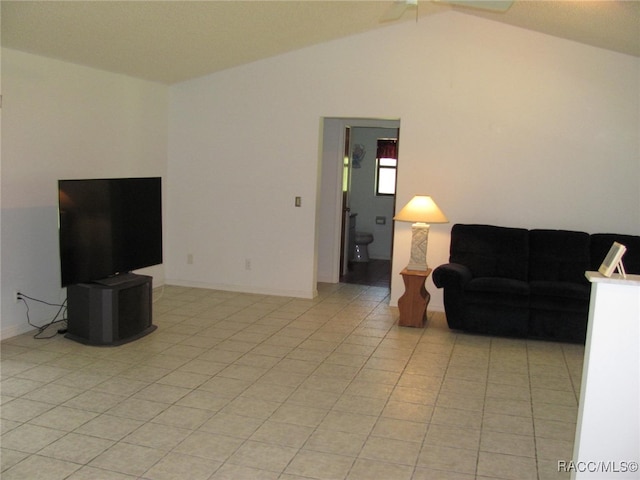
(298, 201)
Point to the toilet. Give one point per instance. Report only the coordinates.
(363, 239)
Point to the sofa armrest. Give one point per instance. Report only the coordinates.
(451, 275)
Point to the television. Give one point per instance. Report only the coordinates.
(108, 227)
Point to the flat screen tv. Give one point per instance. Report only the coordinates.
(108, 227)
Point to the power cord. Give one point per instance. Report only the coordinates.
(41, 329)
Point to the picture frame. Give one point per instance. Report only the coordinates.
(613, 260)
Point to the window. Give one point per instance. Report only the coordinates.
(386, 166)
(386, 179)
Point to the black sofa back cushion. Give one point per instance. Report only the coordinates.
(601, 243)
(491, 251)
(558, 256)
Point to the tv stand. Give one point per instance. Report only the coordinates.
(110, 312)
(116, 280)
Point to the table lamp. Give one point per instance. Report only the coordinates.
(422, 211)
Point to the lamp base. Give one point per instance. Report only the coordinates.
(419, 240)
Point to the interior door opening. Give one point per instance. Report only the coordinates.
(350, 206)
(369, 184)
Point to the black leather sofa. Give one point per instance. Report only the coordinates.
(525, 283)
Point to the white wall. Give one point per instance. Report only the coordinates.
(240, 151)
(64, 121)
(499, 124)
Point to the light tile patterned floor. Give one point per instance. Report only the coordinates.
(242, 386)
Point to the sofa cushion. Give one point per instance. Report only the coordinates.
(562, 290)
(559, 256)
(560, 298)
(491, 251)
(601, 243)
(498, 291)
(498, 285)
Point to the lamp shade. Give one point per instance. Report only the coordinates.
(421, 209)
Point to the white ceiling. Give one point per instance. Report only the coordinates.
(173, 41)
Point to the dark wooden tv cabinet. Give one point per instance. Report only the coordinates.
(110, 312)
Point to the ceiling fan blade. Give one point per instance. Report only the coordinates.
(492, 5)
(398, 9)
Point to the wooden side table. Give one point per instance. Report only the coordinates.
(413, 304)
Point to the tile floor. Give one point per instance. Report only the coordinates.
(242, 386)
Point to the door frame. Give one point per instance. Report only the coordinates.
(329, 211)
(345, 209)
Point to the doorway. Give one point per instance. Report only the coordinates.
(349, 203)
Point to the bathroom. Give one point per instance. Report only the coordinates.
(372, 212)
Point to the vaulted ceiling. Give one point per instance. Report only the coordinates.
(173, 41)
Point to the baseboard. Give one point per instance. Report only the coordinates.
(435, 308)
(327, 279)
(243, 289)
(15, 330)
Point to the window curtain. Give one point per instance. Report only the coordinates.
(387, 149)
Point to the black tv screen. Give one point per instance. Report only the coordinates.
(108, 227)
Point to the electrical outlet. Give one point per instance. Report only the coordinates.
(247, 264)
(189, 258)
(17, 296)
